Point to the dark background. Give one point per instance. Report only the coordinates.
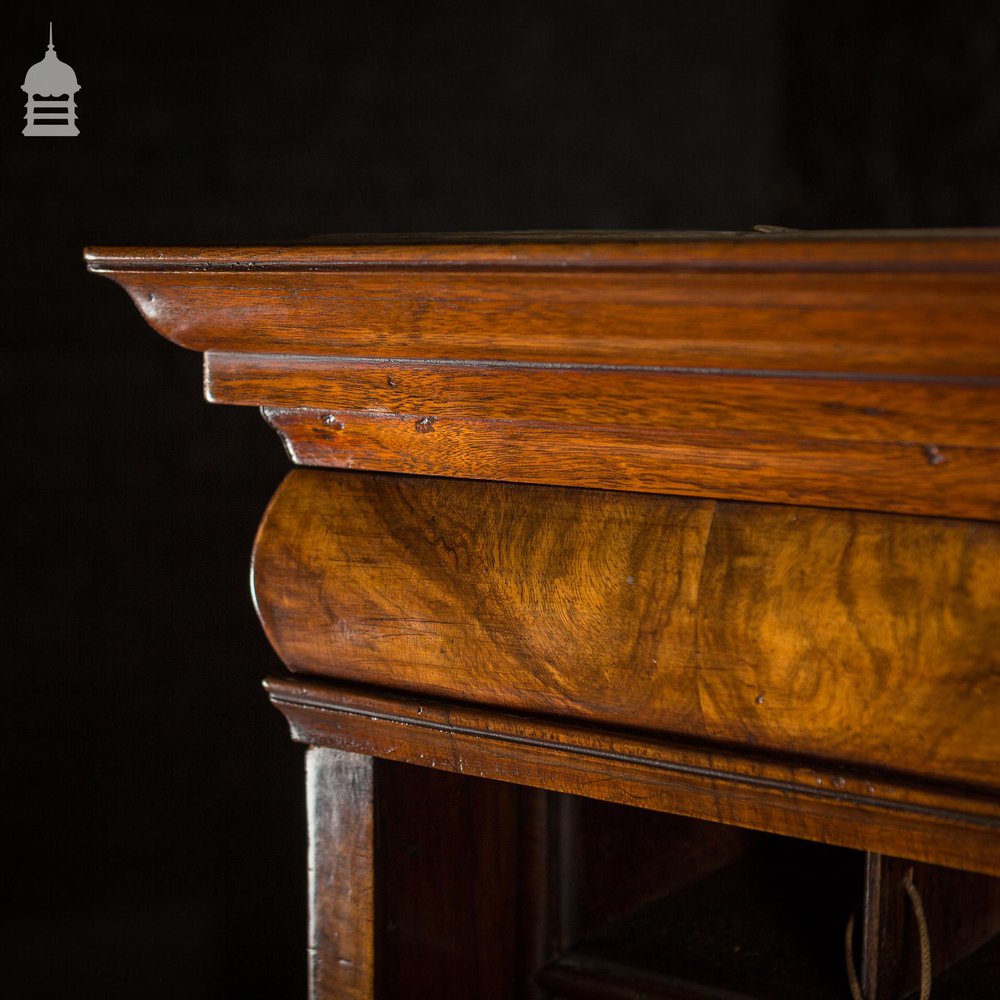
(152, 799)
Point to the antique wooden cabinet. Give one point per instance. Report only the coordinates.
(639, 598)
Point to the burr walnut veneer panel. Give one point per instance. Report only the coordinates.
(862, 638)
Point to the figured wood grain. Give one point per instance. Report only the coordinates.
(826, 674)
(813, 800)
(862, 638)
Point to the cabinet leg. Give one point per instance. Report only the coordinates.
(340, 802)
(412, 882)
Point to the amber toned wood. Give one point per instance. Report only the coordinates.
(787, 623)
(844, 250)
(340, 801)
(805, 321)
(846, 370)
(868, 810)
(961, 413)
(906, 477)
(865, 639)
(816, 303)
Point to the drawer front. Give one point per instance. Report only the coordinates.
(869, 639)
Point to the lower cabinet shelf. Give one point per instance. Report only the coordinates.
(768, 923)
(662, 907)
(441, 885)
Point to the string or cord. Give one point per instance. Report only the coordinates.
(926, 973)
(852, 976)
(925, 937)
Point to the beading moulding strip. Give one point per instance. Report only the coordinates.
(810, 800)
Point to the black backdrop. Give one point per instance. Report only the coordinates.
(152, 799)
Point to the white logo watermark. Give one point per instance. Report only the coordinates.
(51, 88)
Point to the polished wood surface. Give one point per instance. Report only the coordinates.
(340, 802)
(891, 304)
(796, 321)
(862, 638)
(910, 445)
(909, 477)
(827, 369)
(630, 556)
(851, 807)
(415, 868)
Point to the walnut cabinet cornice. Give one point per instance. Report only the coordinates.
(705, 524)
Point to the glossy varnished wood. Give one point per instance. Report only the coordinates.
(718, 540)
(877, 411)
(798, 321)
(886, 303)
(824, 369)
(862, 638)
(906, 476)
(340, 799)
(860, 808)
(413, 878)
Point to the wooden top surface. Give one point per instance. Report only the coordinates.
(860, 249)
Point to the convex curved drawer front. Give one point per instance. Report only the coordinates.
(863, 638)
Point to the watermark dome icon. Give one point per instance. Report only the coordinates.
(51, 88)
